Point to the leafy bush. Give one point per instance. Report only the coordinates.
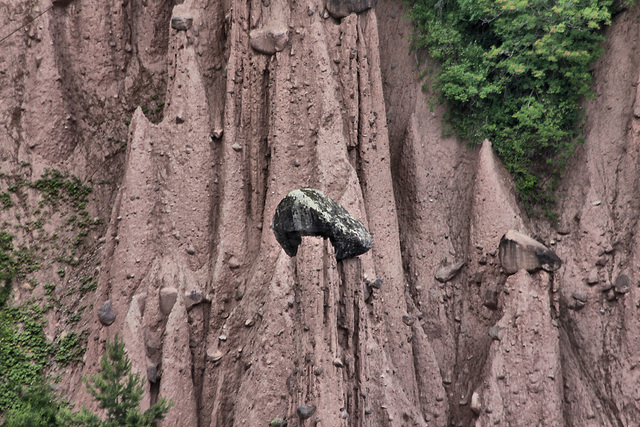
(513, 72)
(38, 408)
(5, 200)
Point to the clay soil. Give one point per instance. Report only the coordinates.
(189, 140)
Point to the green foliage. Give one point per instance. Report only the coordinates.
(85, 418)
(513, 72)
(115, 388)
(24, 351)
(5, 200)
(27, 400)
(26, 261)
(26, 356)
(54, 186)
(88, 284)
(69, 349)
(49, 288)
(13, 263)
(38, 408)
(7, 264)
(119, 392)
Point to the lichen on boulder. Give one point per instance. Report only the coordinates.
(309, 212)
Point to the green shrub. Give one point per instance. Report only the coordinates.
(37, 408)
(69, 349)
(513, 72)
(119, 391)
(115, 388)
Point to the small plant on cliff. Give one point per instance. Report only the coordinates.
(5, 200)
(118, 391)
(54, 186)
(514, 71)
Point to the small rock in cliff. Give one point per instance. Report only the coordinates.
(341, 8)
(448, 272)
(106, 313)
(181, 23)
(622, 284)
(60, 2)
(269, 40)
(518, 252)
(305, 411)
(168, 297)
(308, 212)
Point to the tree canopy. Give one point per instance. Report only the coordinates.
(513, 72)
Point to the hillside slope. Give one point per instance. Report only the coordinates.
(190, 134)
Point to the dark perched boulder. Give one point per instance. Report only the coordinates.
(308, 212)
(341, 8)
(518, 252)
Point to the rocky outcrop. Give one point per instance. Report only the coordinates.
(520, 252)
(181, 23)
(308, 212)
(523, 359)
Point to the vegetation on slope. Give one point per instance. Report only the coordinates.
(28, 360)
(513, 72)
(27, 251)
(116, 389)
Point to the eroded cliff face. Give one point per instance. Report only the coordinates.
(242, 102)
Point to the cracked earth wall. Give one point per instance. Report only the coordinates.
(192, 137)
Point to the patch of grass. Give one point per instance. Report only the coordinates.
(7, 260)
(26, 261)
(49, 288)
(15, 262)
